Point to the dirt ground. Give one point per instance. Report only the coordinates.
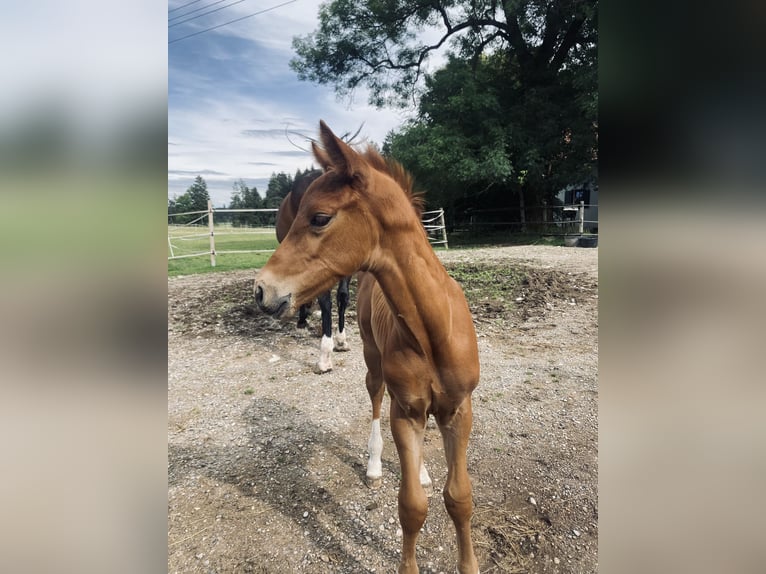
(266, 460)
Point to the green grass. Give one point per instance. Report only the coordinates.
(487, 281)
(188, 240)
(223, 262)
(229, 238)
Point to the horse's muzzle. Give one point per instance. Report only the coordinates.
(269, 302)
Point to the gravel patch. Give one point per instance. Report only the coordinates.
(266, 459)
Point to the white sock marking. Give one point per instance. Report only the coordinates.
(340, 341)
(325, 355)
(425, 480)
(375, 448)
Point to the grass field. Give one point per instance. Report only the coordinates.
(188, 240)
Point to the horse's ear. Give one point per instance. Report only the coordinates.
(321, 156)
(343, 159)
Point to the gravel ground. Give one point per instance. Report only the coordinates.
(266, 459)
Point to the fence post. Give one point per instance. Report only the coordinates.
(444, 227)
(582, 216)
(212, 232)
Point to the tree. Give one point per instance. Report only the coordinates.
(479, 142)
(379, 44)
(198, 195)
(279, 186)
(245, 198)
(511, 118)
(194, 199)
(171, 209)
(457, 149)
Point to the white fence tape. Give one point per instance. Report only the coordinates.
(433, 222)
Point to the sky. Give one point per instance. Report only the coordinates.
(232, 96)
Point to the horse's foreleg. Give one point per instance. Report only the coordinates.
(413, 502)
(324, 363)
(376, 390)
(457, 490)
(343, 298)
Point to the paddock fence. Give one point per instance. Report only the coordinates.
(436, 228)
(561, 220)
(216, 231)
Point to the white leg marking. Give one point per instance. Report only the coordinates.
(374, 463)
(340, 341)
(425, 480)
(325, 355)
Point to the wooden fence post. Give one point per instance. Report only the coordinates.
(444, 227)
(212, 232)
(582, 216)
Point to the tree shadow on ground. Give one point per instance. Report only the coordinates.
(277, 468)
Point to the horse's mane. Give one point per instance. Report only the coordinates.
(401, 176)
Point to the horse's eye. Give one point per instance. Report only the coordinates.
(320, 220)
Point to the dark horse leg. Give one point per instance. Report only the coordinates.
(325, 347)
(343, 297)
(303, 313)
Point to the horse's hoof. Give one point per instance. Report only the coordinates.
(320, 370)
(302, 325)
(340, 347)
(374, 482)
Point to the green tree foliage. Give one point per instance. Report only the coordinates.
(480, 143)
(508, 121)
(457, 150)
(198, 194)
(279, 186)
(244, 197)
(379, 43)
(194, 199)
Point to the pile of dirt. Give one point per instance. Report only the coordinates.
(493, 292)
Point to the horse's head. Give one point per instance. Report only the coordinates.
(332, 235)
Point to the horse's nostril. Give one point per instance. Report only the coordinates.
(259, 295)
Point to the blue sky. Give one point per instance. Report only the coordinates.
(232, 95)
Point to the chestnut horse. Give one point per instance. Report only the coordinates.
(417, 330)
(285, 217)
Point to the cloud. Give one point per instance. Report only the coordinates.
(271, 133)
(291, 153)
(194, 173)
(237, 110)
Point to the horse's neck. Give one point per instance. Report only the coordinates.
(417, 288)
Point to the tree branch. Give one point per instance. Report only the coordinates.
(445, 18)
(480, 48)
(553, 22)
(515, 38)
(571, 37)
(423, 51)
